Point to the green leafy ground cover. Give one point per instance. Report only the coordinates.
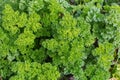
(59, 39)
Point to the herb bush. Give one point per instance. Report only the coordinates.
(59, 39)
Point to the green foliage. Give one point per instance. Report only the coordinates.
(117, 72)
(30, 71)
(104, 61)
(47, 39)
(31, 5)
